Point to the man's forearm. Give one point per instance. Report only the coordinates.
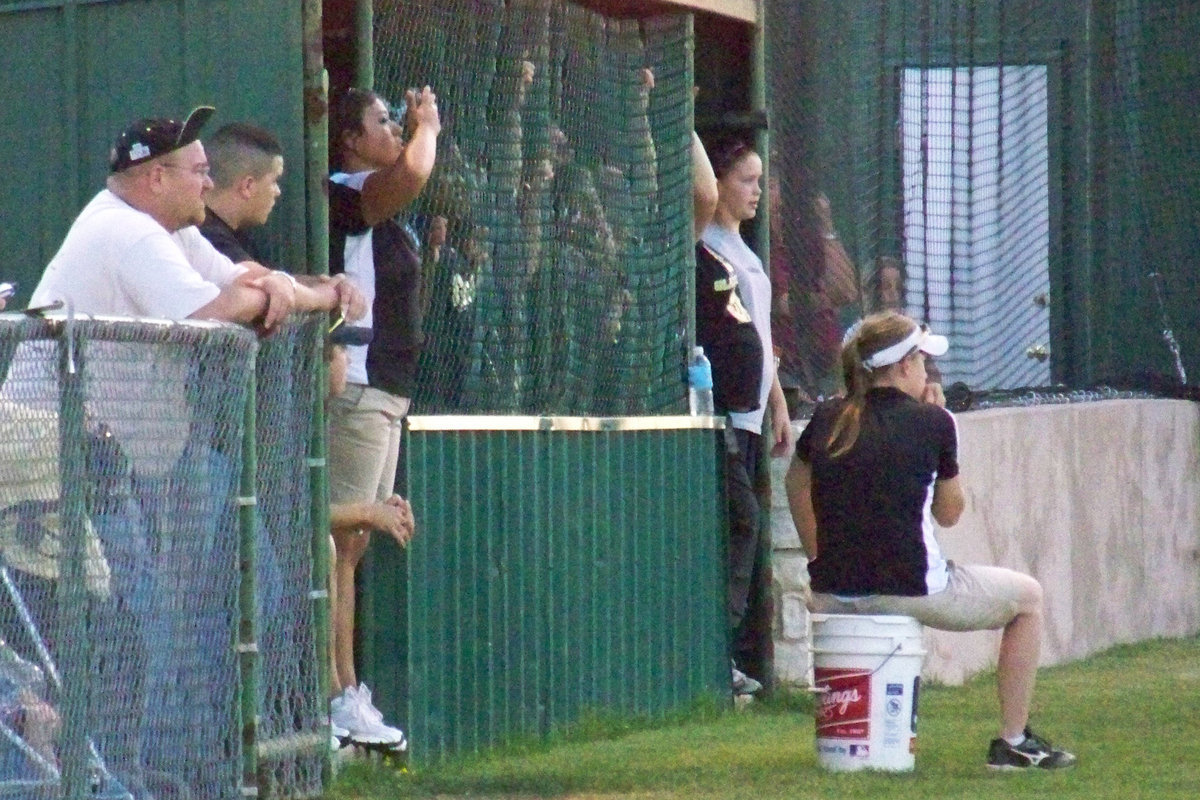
(237, 302)
(318, 296)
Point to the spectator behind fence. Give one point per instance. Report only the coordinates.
(378, 174)
(823, 290)
(135, 250)
(246, 163)
(452, 261)
(885, 288)
(873, 471)
(733, 290)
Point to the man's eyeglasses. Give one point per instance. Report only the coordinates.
(200, 169)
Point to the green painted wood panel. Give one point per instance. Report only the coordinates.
(80, 70)
(553, 573)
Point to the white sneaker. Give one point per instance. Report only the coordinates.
(339, 737)
(353, 711)
(743, 683)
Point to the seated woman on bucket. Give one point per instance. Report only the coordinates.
(873, 470)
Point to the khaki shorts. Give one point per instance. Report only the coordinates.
(364, 444)
(976, 598)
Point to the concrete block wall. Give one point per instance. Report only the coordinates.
(789, 568)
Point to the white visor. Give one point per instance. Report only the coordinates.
(920, 338)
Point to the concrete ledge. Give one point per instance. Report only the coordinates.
(1099, 501)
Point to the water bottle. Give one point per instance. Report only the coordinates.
(700, 384)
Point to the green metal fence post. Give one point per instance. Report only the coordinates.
(762, 244)
(690, 275)
(319, 484)
(316, 139)
(762, 137)
(316, 164)
(74, 652)
(247, 644)
(364, 44)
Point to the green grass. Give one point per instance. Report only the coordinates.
(1132, 715)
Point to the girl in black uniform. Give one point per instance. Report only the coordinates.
(873, 471)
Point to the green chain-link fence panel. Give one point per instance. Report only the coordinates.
(121, 455)
(291, 734)
(564, 184)
(1015, 173)
(1148, 236)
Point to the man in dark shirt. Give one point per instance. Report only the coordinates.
(246, 163)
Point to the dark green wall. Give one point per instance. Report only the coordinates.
(79, 72)
(555, 573)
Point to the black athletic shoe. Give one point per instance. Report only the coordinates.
(1033, 752)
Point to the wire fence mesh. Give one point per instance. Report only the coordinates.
(120, 558)
(1016, 174)
(292, 742)
(556, 226)
(122, 545)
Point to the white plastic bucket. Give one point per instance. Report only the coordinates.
(866, 674)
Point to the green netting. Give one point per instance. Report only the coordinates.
(119, 471)
(564, 177)
(1029, 166)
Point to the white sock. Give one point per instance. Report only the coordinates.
(1015, 741)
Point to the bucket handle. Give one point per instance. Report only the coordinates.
(882, 664)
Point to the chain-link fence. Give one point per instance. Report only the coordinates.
(1018, 174)
(292, 739)
(555, 229)
(123, 534)
(120, 559)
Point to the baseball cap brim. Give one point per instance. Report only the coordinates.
(192, 125)
(151, 137)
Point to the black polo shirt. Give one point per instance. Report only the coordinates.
(874, 527)
(225, 238)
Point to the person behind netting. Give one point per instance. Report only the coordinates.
(27, 716)
(582, 297)
(451, 264)
(873, 471)
(378, 174)
(825, 290)
(885, 287)
(733, 325)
